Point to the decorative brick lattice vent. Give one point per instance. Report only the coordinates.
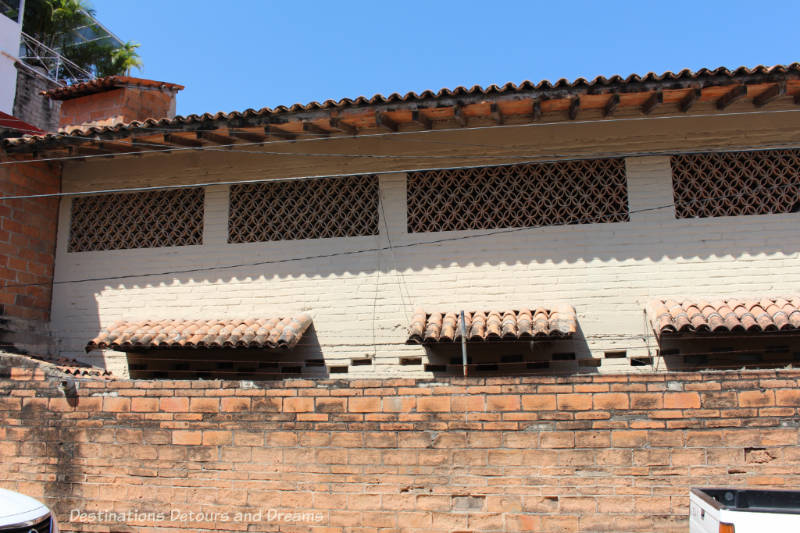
(736, 183)
(541, 194)
(137, 220)
(307, 209)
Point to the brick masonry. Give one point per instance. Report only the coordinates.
(581, 453)
(27, 247)
(117, 106)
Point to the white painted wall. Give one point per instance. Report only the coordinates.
(9, 50)
(362, 303)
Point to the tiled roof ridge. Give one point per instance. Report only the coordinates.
(669, 316)
(274, 332)
(684, 76)
(108, 82)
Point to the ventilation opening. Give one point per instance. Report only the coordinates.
(360, 362)
(435, 368)
(618, 354)
(410, 361)
(338, 370)
(564, 356)
(589, 363)
(641, 361)
(292, 370)
(315, 362)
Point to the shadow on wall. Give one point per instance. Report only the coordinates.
(304, 360)
(556, 262)
(687, 240)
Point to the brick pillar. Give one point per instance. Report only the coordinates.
(27, 249)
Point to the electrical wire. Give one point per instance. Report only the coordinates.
(538, 160)
(390, 247)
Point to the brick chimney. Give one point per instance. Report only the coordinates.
(114, 100)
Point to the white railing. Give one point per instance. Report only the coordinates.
(50, 63)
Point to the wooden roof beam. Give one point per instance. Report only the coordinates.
(688, 101)
(731, 96)
(496, 114)
(274, 131)
(651, 103)
(779, 89)
(119, 148)
(385, 122)
(536, 112)
(339, 124)
(90, 150)
(249, 136)
(574, 106)
(315, 129)
(461, 118)
(215, 137)
(611, 105)
(171, 138)
(150, 146)
(418, 117)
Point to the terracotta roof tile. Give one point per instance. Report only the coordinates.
(674, 317)
(544, 89)
(70, 366)
(270, 333)
(510, 325)
(103, 84)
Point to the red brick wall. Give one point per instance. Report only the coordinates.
(27, 240)
(117, 106)
(582, 453)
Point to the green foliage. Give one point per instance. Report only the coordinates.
(55, 22)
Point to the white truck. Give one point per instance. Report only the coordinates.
(23, 514)
(744, 511)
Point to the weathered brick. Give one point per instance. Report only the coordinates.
(681, 400)
(574, 402)
(611, 400)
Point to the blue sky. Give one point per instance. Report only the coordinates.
(240, 54)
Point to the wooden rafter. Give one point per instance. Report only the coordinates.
(216, 138)
(422, 119)
(461, 118)
(688, 101)
(497, 114)
(738, 92)
(651, 103)
(611, 105)
(779, 89)
(315, 129)
(149, 145)
(341, 125)
(574, 105)
(536, 113)
(171, 138)
(274, 131)
(382, 120)
(249, 136)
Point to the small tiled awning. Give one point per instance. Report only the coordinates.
(673, 317)
(540, 322)
(261, 333)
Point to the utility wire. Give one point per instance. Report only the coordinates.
(390, 247)
(541, 159)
